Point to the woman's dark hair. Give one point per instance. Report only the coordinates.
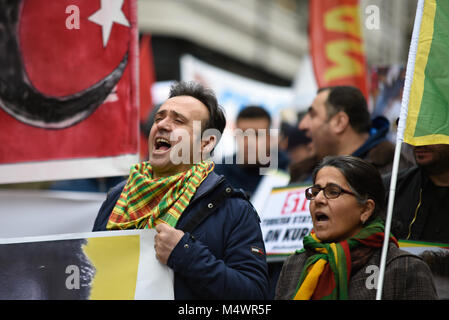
(217, 119)
(363, 179)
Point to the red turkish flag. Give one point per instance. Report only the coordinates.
(147, 78)
(68, 88)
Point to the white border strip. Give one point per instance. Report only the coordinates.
(155, 281)
(67, 169)
(70, 236)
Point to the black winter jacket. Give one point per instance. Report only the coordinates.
(224, 256)
(421, 210)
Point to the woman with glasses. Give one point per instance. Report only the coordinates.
(341, 256)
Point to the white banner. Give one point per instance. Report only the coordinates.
(235, 92)
(285, 220)
(26, 213)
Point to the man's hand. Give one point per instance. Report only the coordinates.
(165, 241)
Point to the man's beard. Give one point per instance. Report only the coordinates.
(440, 163)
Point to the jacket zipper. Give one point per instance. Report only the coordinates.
(416, 214)
(207, 192)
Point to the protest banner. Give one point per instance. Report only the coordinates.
(418, 247)
(273, 179)
(436, 255)
(84, 266)
(336, 44)
(29, 213)
(69, 94)
(285, 220)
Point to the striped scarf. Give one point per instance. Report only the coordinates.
(146, 202)
(326, 273)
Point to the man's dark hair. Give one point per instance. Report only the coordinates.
(254, 112)
(363, 179)
(352, 102)
(217, 119)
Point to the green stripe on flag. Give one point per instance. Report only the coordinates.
(428, 118)
(434, 116)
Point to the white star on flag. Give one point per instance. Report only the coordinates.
(110, 12)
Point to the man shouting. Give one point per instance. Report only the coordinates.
(207, 232)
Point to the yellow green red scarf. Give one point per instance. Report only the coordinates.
(326, 273)
(146, 202)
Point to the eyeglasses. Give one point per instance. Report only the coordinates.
(331, 191)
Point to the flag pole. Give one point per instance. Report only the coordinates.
(399, 140)
(383, 258)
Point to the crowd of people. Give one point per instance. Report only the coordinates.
(209, 233)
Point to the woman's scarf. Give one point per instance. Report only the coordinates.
(327, 271)
(146, 202)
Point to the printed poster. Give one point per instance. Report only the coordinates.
(285, 220)
(110, 265)
(436, 255)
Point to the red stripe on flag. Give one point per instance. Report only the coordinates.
(147, 78)
(345, 246)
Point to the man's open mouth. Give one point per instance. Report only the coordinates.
(162, 144)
